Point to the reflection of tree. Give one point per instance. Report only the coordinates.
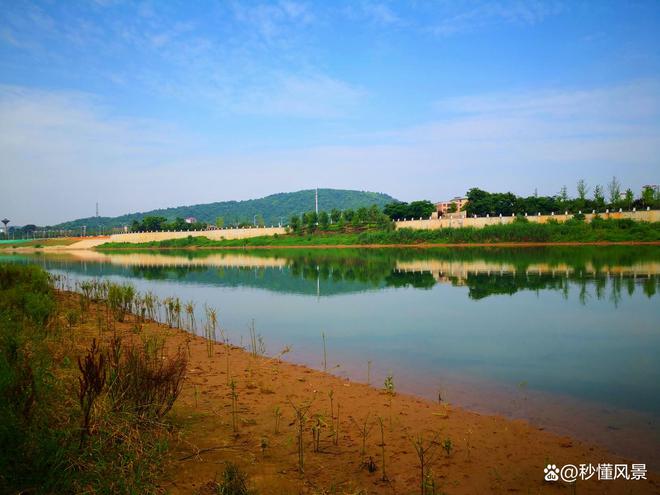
(483, 285)
(340, 271)
(165, 272)
(650, 286)
(584, 295)
(615, 295)
(600, 283)
(418, 280)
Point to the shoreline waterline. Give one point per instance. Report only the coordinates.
(489, 451)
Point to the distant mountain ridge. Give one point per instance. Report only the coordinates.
(271, 208)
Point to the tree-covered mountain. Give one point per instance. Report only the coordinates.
(271, 208)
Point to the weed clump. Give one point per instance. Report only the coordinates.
(142, 382)
(233, 481)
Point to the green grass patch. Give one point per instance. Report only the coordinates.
(36, 243)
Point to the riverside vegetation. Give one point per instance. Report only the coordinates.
(93, 382)
(520, 231)
(78, 419)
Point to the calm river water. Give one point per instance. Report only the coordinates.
(567, 338)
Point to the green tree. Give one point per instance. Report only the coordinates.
(421, 209)
(373, 214)
(396, 210)
(294, 223)
(324, 220)
(153, 223)
(630, 197)
(260, 219)
(179, 224)
(582, 190)
(348, 215)
(452, 208)
(361, 216)
(614, 190)
(599, 197)
(649, 197)
(335, 215)
(311, 219)
(219, 222)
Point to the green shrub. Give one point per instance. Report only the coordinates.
(43, 448)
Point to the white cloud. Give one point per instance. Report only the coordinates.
(306, 96)
(64, 151)
(273, 21)
(481, 14)
(377, 12)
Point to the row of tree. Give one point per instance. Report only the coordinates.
(415, 209)
(362, 217)
(157, 223)
(613, 197)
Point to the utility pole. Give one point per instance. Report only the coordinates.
(317, 201)
(6, 221)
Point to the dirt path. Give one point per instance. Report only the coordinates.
(488, 454)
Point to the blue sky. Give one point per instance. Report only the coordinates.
(148, 104)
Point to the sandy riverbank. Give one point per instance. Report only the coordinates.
(326, 246)
(489, 454)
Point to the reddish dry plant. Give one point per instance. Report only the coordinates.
(144, 383)
(91, 381)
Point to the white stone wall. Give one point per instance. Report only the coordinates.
(460, 220)
(217, 235)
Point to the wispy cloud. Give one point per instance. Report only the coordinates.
(69, 147)
(304, 95)
(273, 21)
(481, 14)
(621, 103)
(379, 13)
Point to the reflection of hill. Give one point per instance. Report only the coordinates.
(296, 279)
(324, 272)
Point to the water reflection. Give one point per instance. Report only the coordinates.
(595, 272)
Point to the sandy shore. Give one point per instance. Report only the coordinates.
(94, 245)
(488, 454)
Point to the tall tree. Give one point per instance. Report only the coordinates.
(324, 220)
(294, 223)
(614, 190)
(335, 215)
(349, 214)
(630, 197)
(599, 197)
(311, 219)
(582, 189)
(649, 196)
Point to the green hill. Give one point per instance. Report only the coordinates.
(271, 208)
